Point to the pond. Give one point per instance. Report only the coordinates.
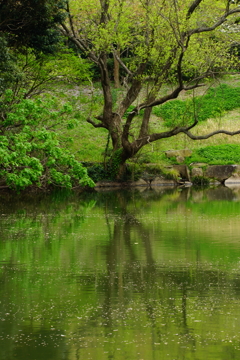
(138, 274)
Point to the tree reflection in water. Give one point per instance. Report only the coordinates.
(152, 273)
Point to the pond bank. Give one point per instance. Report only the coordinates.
(214, 174)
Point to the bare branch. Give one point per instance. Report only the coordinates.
(71, 36)
(99, 125)
(79, 43)
(122, 63)
(173, 95)
(220, 21)
(133, 91)
(192, 8)
(203, 137)
(70, 19)
(191, 87)
(104, 11)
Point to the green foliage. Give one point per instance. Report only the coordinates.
(32, 23)
(200, 181)
(68, 66)
(35, 73)
(170, 173)
(109, 171)
(114, 164)
(30, 150)
(153, 169)
(211, 105)
(218, 155)
(173, 111)
(97, 172)
(134, 171)
(8, 68)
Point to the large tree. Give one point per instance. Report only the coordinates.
(154, 42)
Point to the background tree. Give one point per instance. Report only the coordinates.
(26, 27)
(178, 42)
(31, 22)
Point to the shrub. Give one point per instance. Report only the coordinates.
(212, 105)
(133, 171)
(30, 150)
(171, 174)
(200, 181)
(97, 172)
(218, 155)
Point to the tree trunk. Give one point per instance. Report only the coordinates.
(116, 71)
(115, 130)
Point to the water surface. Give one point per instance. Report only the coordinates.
(126, 275)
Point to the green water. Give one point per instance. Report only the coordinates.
(123, 275)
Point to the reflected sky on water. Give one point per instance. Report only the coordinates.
(139, 274)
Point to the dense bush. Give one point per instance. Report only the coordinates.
(30, 151)
(200, 181)
(212, 105)
(97, 172)
(218, 155)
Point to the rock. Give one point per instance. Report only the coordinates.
(199, 164)
(234, 179)
(196, 171)
(187, 184)
(235, 188)
(140, 182)
(183, 171)
(180, 159)
(107, 184)
(161, 181)
(220, 172)
(182, 153)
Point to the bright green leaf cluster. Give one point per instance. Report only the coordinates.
(30, 151)
(211, 105)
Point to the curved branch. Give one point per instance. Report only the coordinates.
(70, 17)
(140, 142)
(80, 44)
(192, 8)
(220, 21)
(122, 63)
(203, 137)
(133, 91)
(99, 125)
(174, 94)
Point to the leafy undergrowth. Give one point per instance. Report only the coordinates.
(218, 155)
(213, 104)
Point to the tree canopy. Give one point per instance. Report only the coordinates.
(153, 42)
